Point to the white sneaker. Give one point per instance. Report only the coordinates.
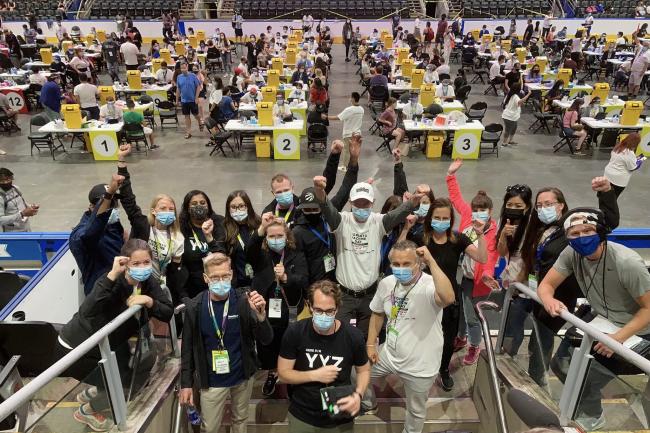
(592, 423)
(342, 168)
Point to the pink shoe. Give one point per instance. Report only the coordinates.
(472, 355)
(459, 343)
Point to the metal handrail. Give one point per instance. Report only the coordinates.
(618, 348)
(25, 394)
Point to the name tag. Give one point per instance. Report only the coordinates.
(532, 282)
(330, 263)
(220, 362)
(275, 308)
(248, 270)
(391, 337)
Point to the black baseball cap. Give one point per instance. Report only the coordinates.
(308, 199)
(97, 192)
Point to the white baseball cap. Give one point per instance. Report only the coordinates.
(362, 190)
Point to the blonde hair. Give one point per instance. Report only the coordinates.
(174, 228)
(214, 259)
(291, 242)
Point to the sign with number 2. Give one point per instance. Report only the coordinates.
(286, 144)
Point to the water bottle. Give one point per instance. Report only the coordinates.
(193, 415)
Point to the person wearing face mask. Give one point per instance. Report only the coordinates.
(251, 97)
(347, 37)
(430, 75)
(257, 78)
(447, 246)
(297, 94)
(359, 235)
(543, 243)
(188, 90)
(311, 232)
(282, 110)
(445, 91)
(15, 212)
(319, 353)
(99, 235)
(240, 222)
(412, 302)
(204, 233)
(164, 75)
(413, 108)
(285, 201)
(515, 214)
(475, 218)
(223, 325)
(299, 75)
(111, 54)
(616, 283)
(126, 284)
(280, 276)
(159, 228)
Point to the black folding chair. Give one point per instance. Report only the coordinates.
(167, 112)
(491, 135)
(41, 140)
(217, 137)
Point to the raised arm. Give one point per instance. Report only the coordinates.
(332, 165)
(351, 175)
(331, 215)
(139, 223)
(92, 232)
(453, 188)
(607, 201)
(400, 186)
(399, 214)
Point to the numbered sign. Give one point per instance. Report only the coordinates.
(16, 100)
(157, 96)
(644, 145)
(466, 144)
(104, 145)
(286, 144)
(301, 113)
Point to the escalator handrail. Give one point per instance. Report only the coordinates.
(23, 395)
(618, 348)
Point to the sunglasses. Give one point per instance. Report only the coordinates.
(517, 188)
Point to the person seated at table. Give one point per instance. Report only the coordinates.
(227, 106)
(110, 112)
(304, 61)
(562, 33)
(164, 75)
(572, 127)
(443, 68)
(282, 110)
(534, 75)
(239, 79)
(257, 78)
(135, 117)
(430, 75)
(297, 93)
(555, 93)
(318, 93)
(620, 39)
(251, 97)
(570, 63)
(388, 121)
(445, 91)
(413, 108)
(514, 76)
(496, 72)
(550, 36)
(592, 109)
(318, 73)
(300, 74)
(469, 39)
(37, 77)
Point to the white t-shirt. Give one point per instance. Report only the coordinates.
(547, 23)
(431, 77)
(620, 166)
(641, 62)
(513, 110)
(78, 63)
(164, 75)
(103, 112)
(409, 111)
(443, 69)
(37, 79)
(161, 246)
(620, 41)
(441, 92)
(418, 325)
(495, 70)
(87, 94)
(358, 250)
(576, 45)
(130, 53)
(352, 117)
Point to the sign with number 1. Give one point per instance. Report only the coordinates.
(104, 145)
(466, 144)
(286, 144)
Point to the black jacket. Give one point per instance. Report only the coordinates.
(193, 357)
(569, 291)
(105, 302)
(175, 274)
(292, 217)
(263, 262)
(306, 241)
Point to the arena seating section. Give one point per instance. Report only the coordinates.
(137, 9)
(45, 9)
(509, 8)
(296, 8)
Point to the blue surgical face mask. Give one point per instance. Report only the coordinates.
(422, 211)
(322, 322)
(547, 215)
(284, 198)
(276, 245)
(219, 288)
(165, 218)
(481, 216)
(239, 215)
(114, 217)
(440, 226)
(585, 245)
(140, 274)
(361, 214)
(403, 275)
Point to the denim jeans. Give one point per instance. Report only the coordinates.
(541, 348)
(520, 308)
(471, 326)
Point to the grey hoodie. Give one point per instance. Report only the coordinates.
(11, 203)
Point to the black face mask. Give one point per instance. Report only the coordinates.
(313, 218)
(199, 212)
(6, 186)
(513, 214)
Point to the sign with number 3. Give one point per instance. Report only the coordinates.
(104, 145)
(286, 144)
(466, 144)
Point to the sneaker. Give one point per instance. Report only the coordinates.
(87, 395)
(342, 168)
(472, 355)
(445, 382)
(592, 423)
(154, 147)
(94, 420)
(367, 411)
(269, 386)
(459, 343)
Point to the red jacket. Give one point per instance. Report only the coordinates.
(465, 211)
(317, 96)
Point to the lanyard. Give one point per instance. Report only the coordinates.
(395, 309)
(540, 249)
(199, 243)
(279, 289)
(323, 238)
(220, 332)
(137, 290)
(385, 246)
(286, 216)
(162, 263)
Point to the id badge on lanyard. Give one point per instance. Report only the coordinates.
(248, 269)
(220, 362)
(220, 358)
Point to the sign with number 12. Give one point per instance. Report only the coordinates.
(286, 144)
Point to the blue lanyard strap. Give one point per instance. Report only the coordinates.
(323, 238)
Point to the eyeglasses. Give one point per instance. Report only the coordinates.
(330, 313)
(517, 188)
(239, 207)
(221, 279)
(545, 204)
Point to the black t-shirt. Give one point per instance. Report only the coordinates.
(513, 77)
(345, 349)
(110, 50)
(447, 255)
